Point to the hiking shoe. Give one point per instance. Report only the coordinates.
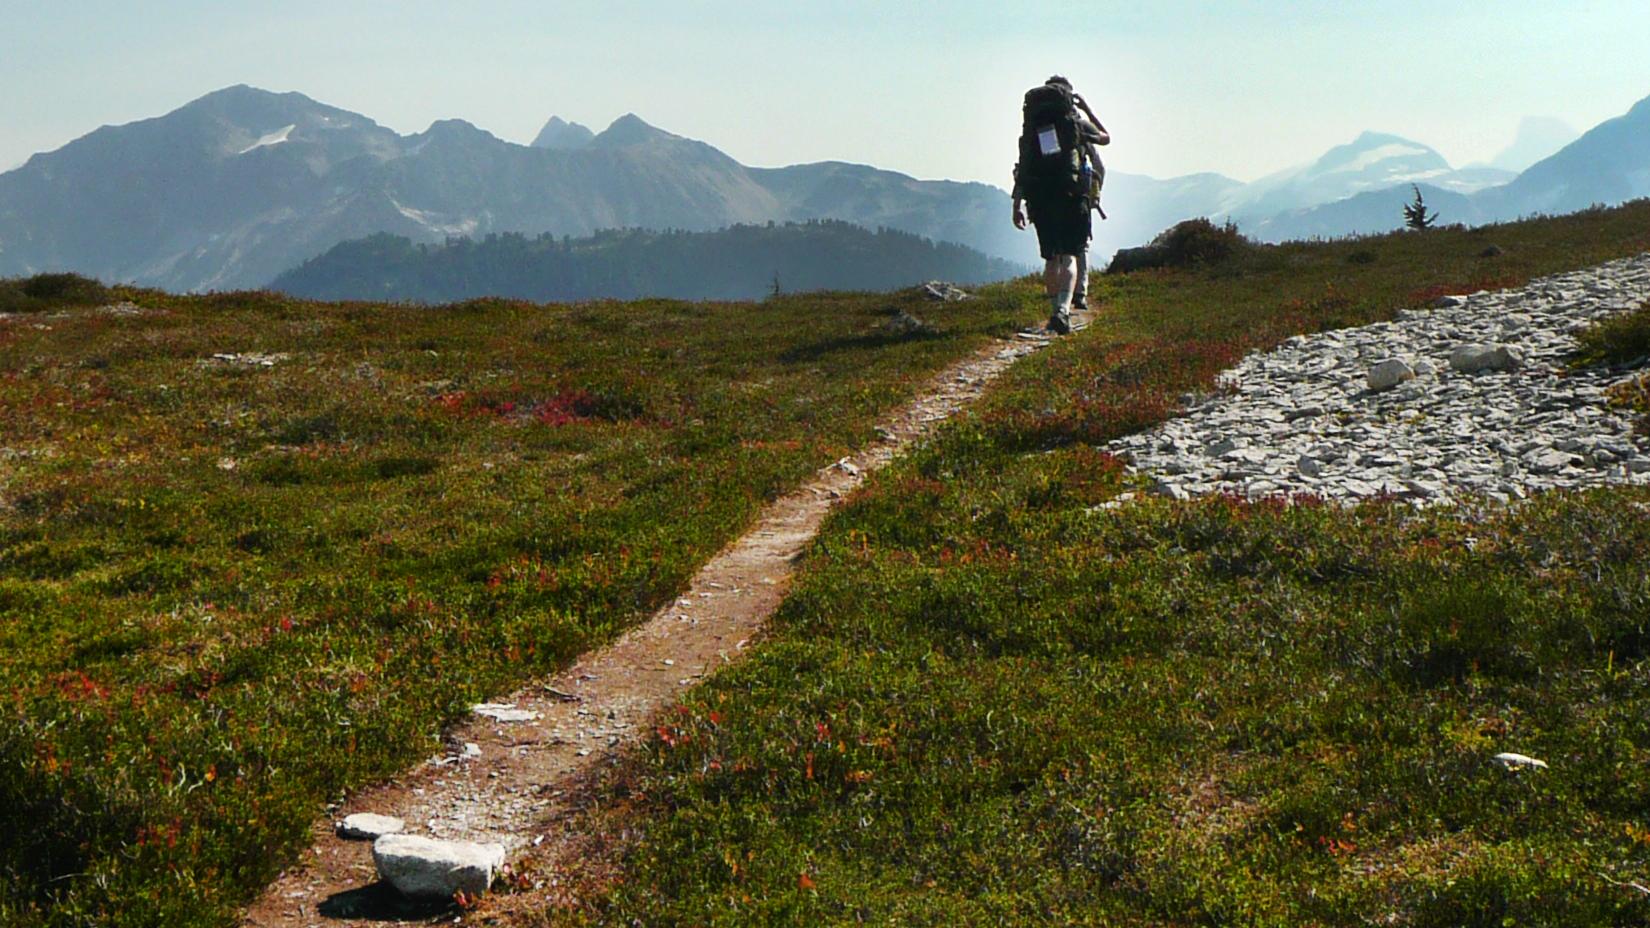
(1059, 324)
(1079, 304)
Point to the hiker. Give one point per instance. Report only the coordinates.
(1055, 188)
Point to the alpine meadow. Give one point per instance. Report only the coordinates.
(1179, 465)
(257, 551)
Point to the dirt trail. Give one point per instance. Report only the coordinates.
(525, 784)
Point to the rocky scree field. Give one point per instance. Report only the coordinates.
(255, 551)
(994, 698)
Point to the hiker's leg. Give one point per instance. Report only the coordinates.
(1080, 291)
(1061, 274)
(1061, 277)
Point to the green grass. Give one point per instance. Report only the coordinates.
(230, 592)
(987, 701)
(1624, 339)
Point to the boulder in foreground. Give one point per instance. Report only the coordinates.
(425, 868)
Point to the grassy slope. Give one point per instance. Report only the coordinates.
(986, 703)
(229, 592)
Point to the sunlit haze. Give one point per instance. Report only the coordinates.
(1241, 87)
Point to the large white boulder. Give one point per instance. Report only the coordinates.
(1470, 358)
(426, 868)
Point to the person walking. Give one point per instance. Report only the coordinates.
(1054, 189)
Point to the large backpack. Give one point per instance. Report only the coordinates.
(1052, 151)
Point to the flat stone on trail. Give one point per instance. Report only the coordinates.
(1389, 373)
(505, 712)
(1470, 358)
(369, 826)
(424, 868)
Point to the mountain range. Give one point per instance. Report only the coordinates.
(235, 188)
(1607, 165)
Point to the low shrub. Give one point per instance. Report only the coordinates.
(1190, 243)
(51, 291)
(1619, 339)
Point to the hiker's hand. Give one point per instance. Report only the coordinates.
(1019, 215)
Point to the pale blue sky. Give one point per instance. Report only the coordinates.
(1244, 87)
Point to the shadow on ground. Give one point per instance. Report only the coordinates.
(381, 902)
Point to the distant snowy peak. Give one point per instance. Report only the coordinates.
(1375, 159)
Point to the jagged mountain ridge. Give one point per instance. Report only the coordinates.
(236, 187)
(560, 134)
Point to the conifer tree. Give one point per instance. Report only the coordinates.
(1416, 216)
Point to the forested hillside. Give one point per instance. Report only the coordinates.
(742, 262)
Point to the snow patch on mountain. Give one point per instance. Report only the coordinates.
(1374, 156)
(270, 140)
(435, 223)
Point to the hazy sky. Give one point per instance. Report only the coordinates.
(1244, 87)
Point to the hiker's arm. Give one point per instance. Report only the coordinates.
(1105, 137)
(1019, 202)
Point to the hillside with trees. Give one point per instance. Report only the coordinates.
(738, 263)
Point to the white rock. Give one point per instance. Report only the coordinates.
(429, 869)
(368, 826)
(1429, 440)
(1519, 760)
(1389, 373)
(505, 712)
(1471, 358)
(1171, 490)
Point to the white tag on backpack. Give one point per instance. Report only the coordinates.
(1048, 140)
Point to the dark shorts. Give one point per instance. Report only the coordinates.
(1064, 227)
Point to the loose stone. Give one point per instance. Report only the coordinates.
(504, 712)
(1520, 760)
(1390, 373)
(1470, 358)
(369, 826)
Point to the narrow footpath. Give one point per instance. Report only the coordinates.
(518, 775)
